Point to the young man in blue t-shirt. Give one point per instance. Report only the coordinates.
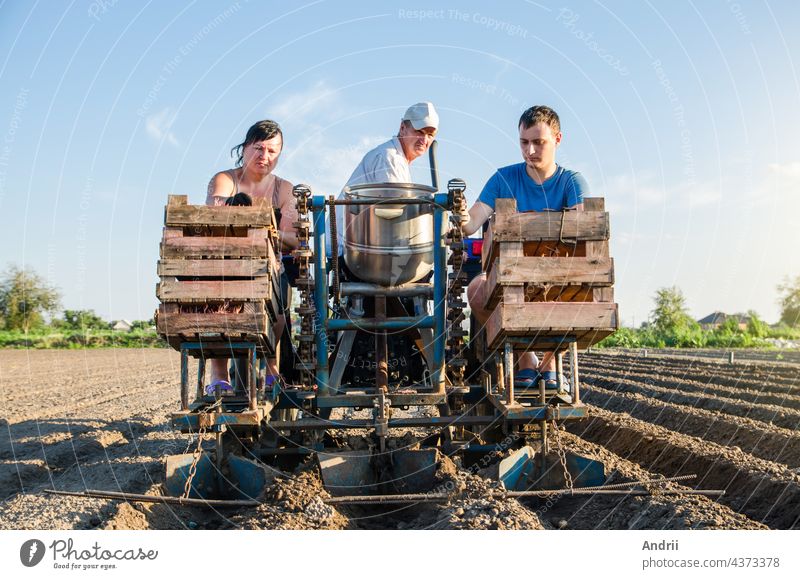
(537, 184)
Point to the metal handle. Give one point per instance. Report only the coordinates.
(434, 169)
(388, 213)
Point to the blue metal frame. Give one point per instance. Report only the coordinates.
(324, 324)
(232, 347)
(398, 323)
(439, 289)
(320, 293)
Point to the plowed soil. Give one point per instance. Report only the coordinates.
(99, 419)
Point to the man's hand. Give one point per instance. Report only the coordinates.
(476, 217)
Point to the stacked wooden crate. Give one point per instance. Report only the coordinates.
(549, 275)
(219, 275)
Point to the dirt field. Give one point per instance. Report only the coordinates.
(98, 419)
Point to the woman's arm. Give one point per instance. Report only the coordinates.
(288, 207)
(219, 189)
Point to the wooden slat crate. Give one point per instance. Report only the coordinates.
(219, 274)
(549, 275)
(221, 323)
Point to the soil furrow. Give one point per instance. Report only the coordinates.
(783, 417)
(778, 376)
(648, 512)
(765, 386)
(769, 442)
(698, 386)
(762, 490)
(99, 419)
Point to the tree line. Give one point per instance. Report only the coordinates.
(29, 304)
(670, 324)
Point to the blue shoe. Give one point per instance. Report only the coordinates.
(225, 388)
(551, 382)
(526, 378)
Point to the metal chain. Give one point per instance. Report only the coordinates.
(562, 455)
(198, 451)
(305, 284)
(457, 280)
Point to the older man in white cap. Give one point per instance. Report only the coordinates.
(391, 161)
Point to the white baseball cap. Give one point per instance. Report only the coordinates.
(422, 115)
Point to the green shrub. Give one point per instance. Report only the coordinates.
(78, 339)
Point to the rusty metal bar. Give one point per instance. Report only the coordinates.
(117, 496)
(252, 373)
(594, 491)
(184, 379)
(434, 421)
(575, 377)
(560, 369)
(201, 376)
(645, 482)
(389, 499)
(508, 362)
(382, 364)
(444, 497)
(368, 289)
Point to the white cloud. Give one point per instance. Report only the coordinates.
(640, 187)
(699, 195)
(158, 126)
(778, 185)
(317, 101)
(327, 155)
(643, 190)
(628, 192)
(324, 164)
(786, 170)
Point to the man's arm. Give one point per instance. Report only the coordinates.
(580, 189)
(476, 217)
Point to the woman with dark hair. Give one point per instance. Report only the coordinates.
(252, 178)
(256, 159)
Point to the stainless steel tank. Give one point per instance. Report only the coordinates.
(389, 244)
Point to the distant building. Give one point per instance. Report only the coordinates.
(121, 326)
(712, 321)
(715, 320)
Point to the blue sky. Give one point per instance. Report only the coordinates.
(683, 115)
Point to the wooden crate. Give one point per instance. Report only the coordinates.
(549, 275)
(219, 274)
(215, 323)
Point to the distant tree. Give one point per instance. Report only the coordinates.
(729, 326)
(83, 320)
(142, 324)
(670, 315)
(24, 298)
(789, 300)
(756, 327)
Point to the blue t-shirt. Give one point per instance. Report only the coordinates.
(564, 189)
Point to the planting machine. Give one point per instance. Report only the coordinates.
(378, 344)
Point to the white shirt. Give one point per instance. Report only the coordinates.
(386, 163)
